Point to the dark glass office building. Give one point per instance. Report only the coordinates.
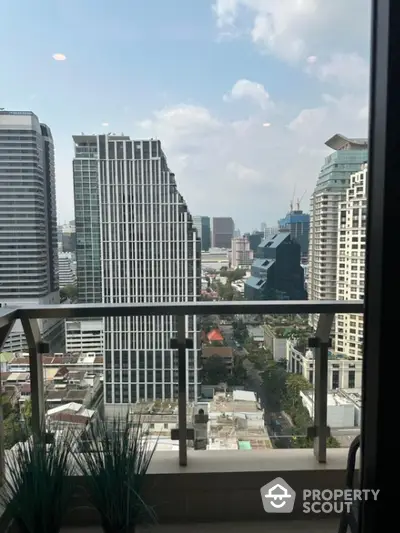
(276, 273)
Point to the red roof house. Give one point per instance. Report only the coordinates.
(215, 336)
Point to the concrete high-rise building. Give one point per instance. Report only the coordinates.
(333, 180)
(242, 254)
(298, 223)
(66, 270)
(269, 231)
(67, 237)
(28, 222)
(351, 263)
(223, 229)
(136, 236)
(203, 228)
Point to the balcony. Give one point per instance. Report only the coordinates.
(198, 487)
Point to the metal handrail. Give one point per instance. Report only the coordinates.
(267, 307)
(29, 315)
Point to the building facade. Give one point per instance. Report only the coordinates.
(333, 180)
(276, 273)
(144, 249)
(28, 223)
(351, 263)
(67, 237)
(298, 223)
(203, 228)
(84, 336)
(242, 254)
(223, 230)
(66, 269)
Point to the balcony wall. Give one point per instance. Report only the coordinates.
(225, 485)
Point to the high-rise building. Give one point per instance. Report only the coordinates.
(66, 270)
(67, 237)
(255, 239)
(203, 228)
(351, 263)
(136, 236)
(276, 273)
(223, 229)
(333, 180)
(242, 254)
(28, 222)
(269, 231)
(298, 223)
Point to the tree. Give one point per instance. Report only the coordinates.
(235, 275)
(69, 292)
(214, 371)
(274, 384)
(239, 373)
(208, 323)
(26, 412)
(240, 333)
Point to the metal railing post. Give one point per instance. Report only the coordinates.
(321, 343)
(182, 414)
(181, 343)
(36, 348)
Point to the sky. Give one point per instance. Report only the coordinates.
(242, 94)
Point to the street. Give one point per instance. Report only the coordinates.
(277, 425)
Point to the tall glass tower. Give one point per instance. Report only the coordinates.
(136, 243)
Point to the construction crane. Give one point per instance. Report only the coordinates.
(300, 199)
(292, 200)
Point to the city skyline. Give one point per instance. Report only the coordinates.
(216, 80)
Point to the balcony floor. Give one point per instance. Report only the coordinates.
(327, 525)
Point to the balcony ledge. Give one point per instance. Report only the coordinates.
(224, 486)
(223, 461)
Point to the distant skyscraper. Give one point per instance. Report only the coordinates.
(223, 229)
(28, 222)
(67, 237)
(351, 264)
(203, 228)
(333, 180)
(242, 254)
(149, 253)
(270, 231)
(254, 239)
(298, 223)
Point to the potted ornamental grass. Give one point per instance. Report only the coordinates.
(115, 465)
(37, 487)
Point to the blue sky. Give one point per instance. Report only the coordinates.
(206, 77)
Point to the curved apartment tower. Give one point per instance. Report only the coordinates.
(136, 243)
(28, 222)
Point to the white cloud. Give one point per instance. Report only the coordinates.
(294, 29)
(225, 11)
(241, 168)
(308, 120)
(350, 71)
(250, 90)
